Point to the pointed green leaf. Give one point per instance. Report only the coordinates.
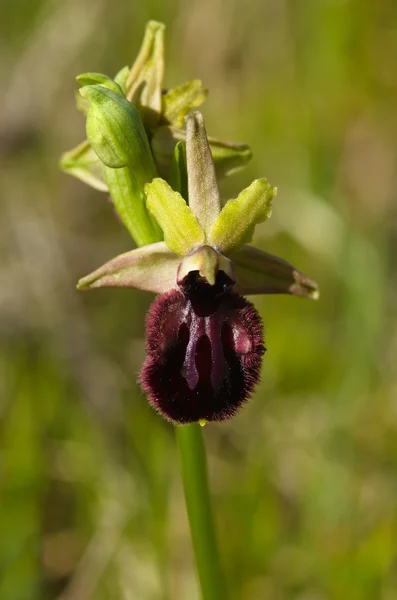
(181, 230)
(99, 79)
(229, 157)
(236, 223)
(258, 272)
(178, 101)
(115, 131)
(152, 268)
(145, 81)
(121, 78)
(203, 189)
(83, 163)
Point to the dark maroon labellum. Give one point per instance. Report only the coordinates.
(204, 351)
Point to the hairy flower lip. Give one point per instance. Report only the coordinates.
(203, 361)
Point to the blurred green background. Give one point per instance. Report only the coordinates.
(304, 479)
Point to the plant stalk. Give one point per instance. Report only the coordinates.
(198, 503)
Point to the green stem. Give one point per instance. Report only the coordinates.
(198, 503)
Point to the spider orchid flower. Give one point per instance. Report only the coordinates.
(204, 339)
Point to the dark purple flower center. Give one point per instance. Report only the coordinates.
(204, 351)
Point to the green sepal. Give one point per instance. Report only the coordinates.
(145, 80)
(83, 163)
(178, 101)
(204, 198)
(178, 172)
(99, 79)
(181, 230)
(151, 268)
(115, 130)
(258, 272)
(236, 224)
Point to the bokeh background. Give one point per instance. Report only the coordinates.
(304, 479)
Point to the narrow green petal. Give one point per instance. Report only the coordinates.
(99, 79)
(152, 268)
(145, 81)
(181, 230)
(203, 188)
(258, 272)
(83, 163)
(178, 101)
(229, 157)
(235, 225)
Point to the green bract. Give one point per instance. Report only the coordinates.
(199, 236)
